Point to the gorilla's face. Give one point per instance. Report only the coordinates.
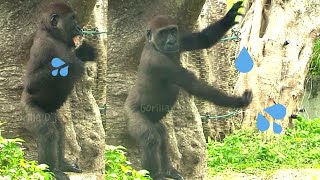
(165, 39)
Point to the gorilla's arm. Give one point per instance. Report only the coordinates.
(40, 68)
(204, 39)
(86, 52)
(212, 34)
(188, 81)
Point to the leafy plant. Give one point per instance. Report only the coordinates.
(118, 168)
(14, 166)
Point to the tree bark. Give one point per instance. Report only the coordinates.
(279, 70)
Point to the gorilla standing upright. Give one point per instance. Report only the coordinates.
(160, 76)
(44, 93)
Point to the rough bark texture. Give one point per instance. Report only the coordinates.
(127, 23)
(84, 131)
(279, 71)
(311, 98)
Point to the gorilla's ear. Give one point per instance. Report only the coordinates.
(54, 20)
(149, 34)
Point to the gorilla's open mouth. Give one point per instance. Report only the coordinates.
(75, 35)
(76, 40)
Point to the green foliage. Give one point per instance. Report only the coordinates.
(118, 168)
(248, 152)
(314, 68)
(230, 3)
(14, 166)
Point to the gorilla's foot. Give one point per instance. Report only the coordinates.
(69, 167)
(59, 175)
(158, 177)
(174, 174)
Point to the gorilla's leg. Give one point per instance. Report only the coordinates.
(149, 139)
(47, 141)
(166, 165)
(43, 126)
(63, 164)
(48, 146)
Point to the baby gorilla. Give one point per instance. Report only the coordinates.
(160, 76)
(44, 93)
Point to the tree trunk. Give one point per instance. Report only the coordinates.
(84, 131)
(125, 42)
(279, 70)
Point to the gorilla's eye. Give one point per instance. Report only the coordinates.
(149, 34)
(173, 31)
(54, 19)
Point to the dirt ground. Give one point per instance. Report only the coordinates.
(284, 174)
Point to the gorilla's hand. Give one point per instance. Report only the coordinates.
(86, 52)
(229, 18)
(246, 98)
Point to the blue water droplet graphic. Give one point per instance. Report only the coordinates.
(262, 123)
(55, 72)
(277, 128)
(57, 62)
(64, 71)
(244, 62)
(277, 111)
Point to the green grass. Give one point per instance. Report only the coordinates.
(314, 68)
(248, 152)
